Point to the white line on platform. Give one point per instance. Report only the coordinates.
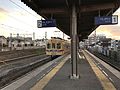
(105, 73)
(99, 67)
(111, 79)
(29, 76)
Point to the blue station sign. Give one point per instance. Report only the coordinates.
(46, 23)
(106, 20)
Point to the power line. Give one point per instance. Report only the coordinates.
(13, 28)
(10, 27)
(22, 8)
(19, 20)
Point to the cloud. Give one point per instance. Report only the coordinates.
(3, 10)
(3, 17)
(112, 31)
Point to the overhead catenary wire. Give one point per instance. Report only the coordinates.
(10, 27)
(19, 20)
(22, 8)
(33, 27)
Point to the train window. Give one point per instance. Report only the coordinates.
(58, 45)
(53, 45)
(48, 46)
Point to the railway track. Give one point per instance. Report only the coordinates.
(19, 53)
(107, 60)
(12, 69)
(3, 62)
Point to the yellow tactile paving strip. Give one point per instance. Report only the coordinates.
(107, 85)
(41, 84)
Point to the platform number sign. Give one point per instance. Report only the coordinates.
(114, 19)
(106, 20)
(39, 23)
(46, 23)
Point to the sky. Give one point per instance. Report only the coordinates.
(16, 17)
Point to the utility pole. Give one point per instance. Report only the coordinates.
(10, 42)
(34, 39)
(95, 38)
(63, 35)
(45, 35)
(33, 35)
(24, 42)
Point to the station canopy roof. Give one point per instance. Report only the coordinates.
(86, 11)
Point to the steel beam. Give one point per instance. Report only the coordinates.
(74, 74)
(96, 7)
(53, 11)
(83, 8)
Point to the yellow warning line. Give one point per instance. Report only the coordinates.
(107, 85)
(41, 84)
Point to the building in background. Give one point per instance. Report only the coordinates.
(3, 42)
(115, 45)
(18, 42)
(95, 39)
(40, 42)
(81, 45)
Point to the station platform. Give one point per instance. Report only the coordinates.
(91, 77)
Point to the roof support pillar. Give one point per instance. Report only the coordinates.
(74, 66)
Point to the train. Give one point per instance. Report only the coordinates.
(57, 46)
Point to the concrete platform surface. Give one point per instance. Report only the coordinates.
(61, 80)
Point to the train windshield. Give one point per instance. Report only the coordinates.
(58, 45)
(53, 45)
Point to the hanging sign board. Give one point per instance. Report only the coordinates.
(106, 20)
(46, 23)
